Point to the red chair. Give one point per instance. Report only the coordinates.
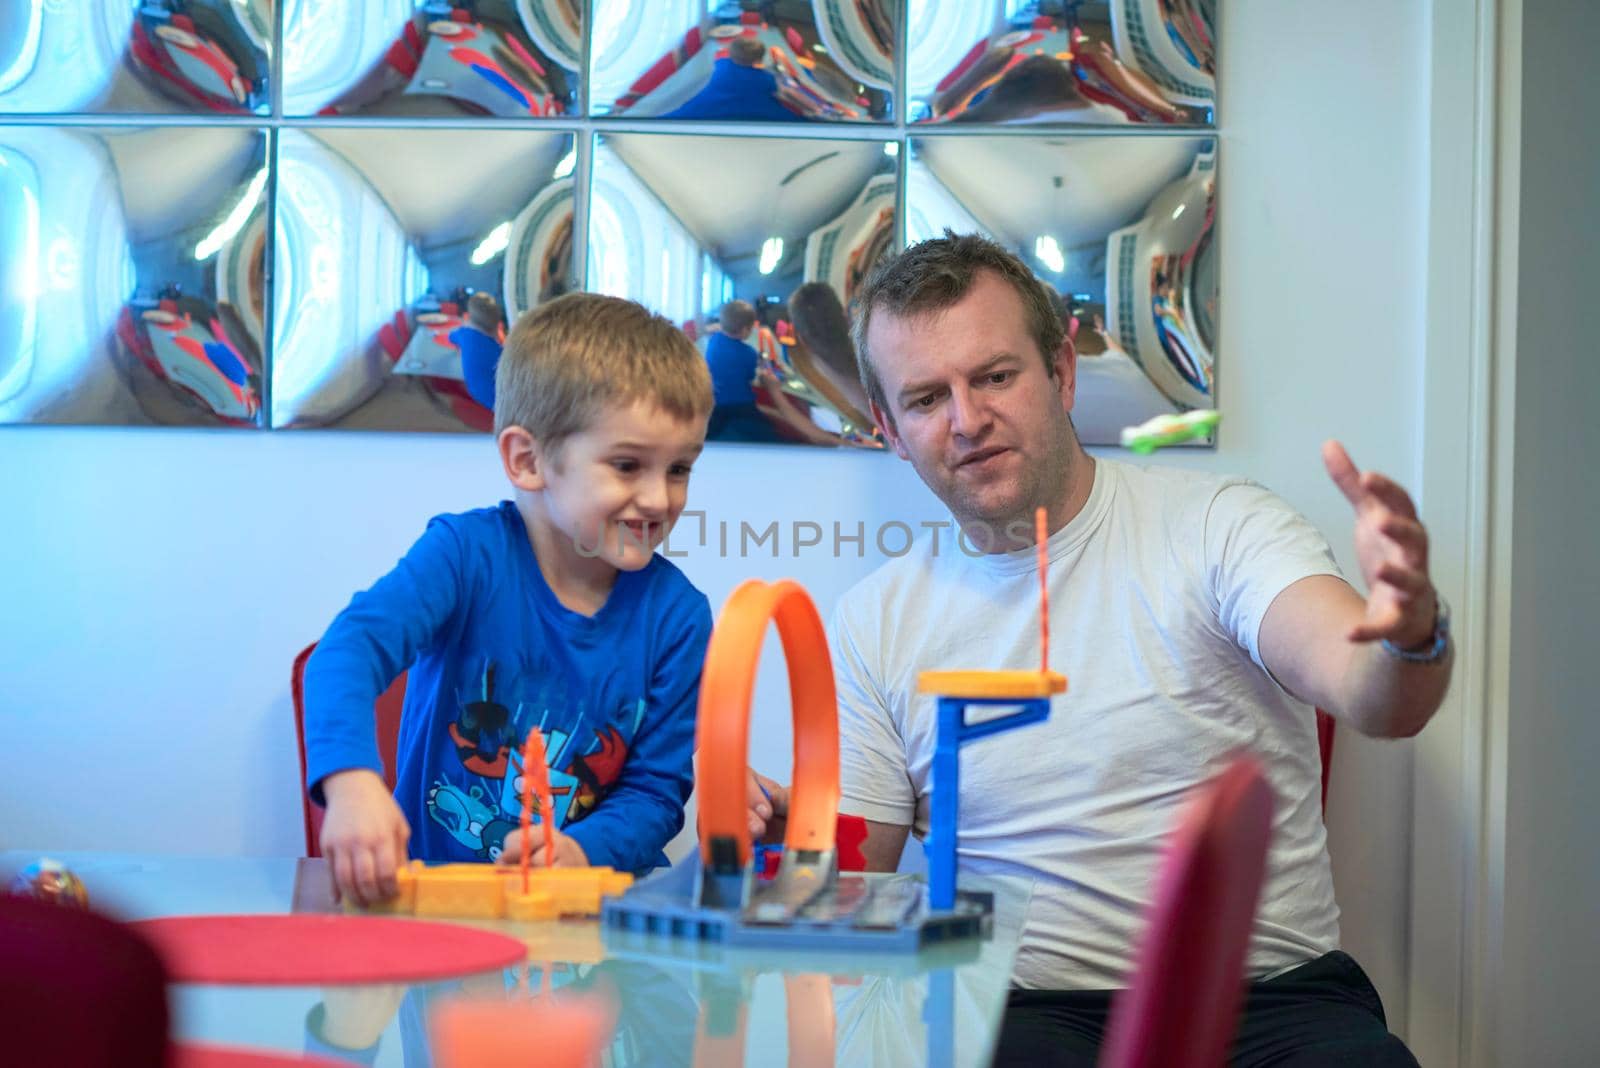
(78, 988)
(1182, 1008)
(1325, 725)
(387, 711)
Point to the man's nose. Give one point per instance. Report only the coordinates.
(969, 415)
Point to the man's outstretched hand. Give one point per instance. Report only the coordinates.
(1392, 549)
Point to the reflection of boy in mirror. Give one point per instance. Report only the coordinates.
(478, 340)
(739, 88)
(733, 362)
(551, 609)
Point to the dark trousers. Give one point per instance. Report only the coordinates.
(1324, 1012)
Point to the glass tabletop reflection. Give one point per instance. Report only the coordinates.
(678, 1001)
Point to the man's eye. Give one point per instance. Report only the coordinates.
(999, 378)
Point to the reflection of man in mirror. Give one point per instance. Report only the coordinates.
(478, 340)
(733, 363)
(739, 88)
(825, 357)
(1221, 620)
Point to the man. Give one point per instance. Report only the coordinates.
(1195, 616)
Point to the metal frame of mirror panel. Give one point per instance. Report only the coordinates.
(1121, 231)
(757, 267)
(207, 58)
(789, 61)
(134, 276)
(410, 340)
(585, 116)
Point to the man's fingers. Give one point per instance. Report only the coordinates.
(1388, 492)
(1408, 580)
(1342, 471)
(1372, 630)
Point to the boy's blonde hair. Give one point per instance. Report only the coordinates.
(567, 359)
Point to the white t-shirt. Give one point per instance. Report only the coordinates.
(1157, 590)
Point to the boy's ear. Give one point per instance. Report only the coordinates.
(522, 458)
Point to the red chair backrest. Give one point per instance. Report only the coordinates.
(1325, 725)
(387, 711)
(1181, 1010)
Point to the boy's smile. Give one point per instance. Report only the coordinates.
(606, 496)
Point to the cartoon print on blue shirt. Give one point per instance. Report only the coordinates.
(487, 736)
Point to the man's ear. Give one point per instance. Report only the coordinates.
(1066, 367)
(523, 459)
(890, 434)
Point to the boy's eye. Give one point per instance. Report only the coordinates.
(626, 467)
(679, 470)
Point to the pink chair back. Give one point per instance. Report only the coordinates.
(78, 988)
(1181, 1009)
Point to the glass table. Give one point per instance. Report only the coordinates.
(679, 1001)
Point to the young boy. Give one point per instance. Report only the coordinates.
(550, 610)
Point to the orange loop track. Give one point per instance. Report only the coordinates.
(727, 687)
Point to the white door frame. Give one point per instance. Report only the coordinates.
(1458, 811)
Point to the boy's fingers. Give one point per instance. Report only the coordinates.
(336, 872)
(388, 863)
(365, 870)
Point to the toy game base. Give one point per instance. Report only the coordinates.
(856, 913)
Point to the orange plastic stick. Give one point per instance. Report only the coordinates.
(547, 804)
(1041, 535)
(527, 805)
(536, 780)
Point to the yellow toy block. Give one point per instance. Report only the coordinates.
(484, 891)
(466, 890)
(992, 684)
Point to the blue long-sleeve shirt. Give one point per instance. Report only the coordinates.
(480, 356)
(491, 652)
(736, 92)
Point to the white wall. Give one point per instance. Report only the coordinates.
(154, 585)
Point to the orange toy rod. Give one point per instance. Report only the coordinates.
(1041, 533)
(723, 727)
(536, 780)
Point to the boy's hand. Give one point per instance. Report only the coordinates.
(769, 808)
(569, 854)
(364, 836)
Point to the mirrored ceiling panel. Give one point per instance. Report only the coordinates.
(501, 58)
(1060, 61)
(750, 61)
(758, 267)
(395, 278)
(203, 57)
(1121, 229)
(131, 272)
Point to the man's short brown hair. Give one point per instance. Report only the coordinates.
(934, 275)
(566, 360)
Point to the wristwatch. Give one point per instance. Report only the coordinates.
(1434, 651)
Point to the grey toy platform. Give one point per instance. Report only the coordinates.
(804, 908)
